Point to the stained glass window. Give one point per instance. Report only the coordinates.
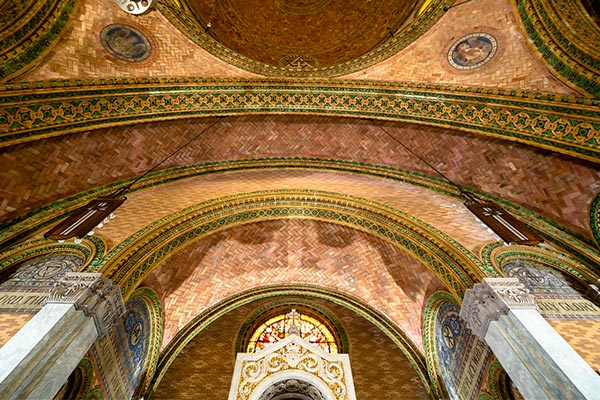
(278, 327)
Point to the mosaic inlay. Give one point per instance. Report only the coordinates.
(557, 295)
(472, 51)
(27, 287)
(125, 42)
(136, 326)
(298, 61)
(462, 357)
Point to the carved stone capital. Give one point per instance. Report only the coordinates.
(492, 298)
(93, 294)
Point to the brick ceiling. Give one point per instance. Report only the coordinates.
(323, 32)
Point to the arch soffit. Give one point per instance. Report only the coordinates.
(565, 124)
(194, 327)
(90, 250)
(565, 39)
(429, 320)
(43, 217)
(455, 266)
(498, 256)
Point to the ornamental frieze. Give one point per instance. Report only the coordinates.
(564, 124)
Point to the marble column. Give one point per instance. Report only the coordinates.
(541, 364)
(37, 361)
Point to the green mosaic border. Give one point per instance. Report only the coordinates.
(564, 124)
(85, 365)
(186, 334)
(152, 300)
(430, 313)
(91, 250)
(595, 219)
(21, 227)
(497, 255)
(568, 59)
(494, 374)
(21, 49)
(95, 394)
(191, 28)
(133, 259)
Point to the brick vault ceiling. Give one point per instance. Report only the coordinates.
(322, 32)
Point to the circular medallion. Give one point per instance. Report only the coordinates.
(472, 51)
(125, 42)
(136, 334)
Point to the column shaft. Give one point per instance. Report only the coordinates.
(540, 362)
(38, 360)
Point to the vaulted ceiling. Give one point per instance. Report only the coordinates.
(313, 105)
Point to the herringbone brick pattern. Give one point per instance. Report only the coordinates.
(45, 171)
(583, 336)
(81, 55)
(445, 214)
(513, 67)
(10, 324)
(204, 368)
(291, 251)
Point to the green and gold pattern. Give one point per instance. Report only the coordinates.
(80, 381)
(564, 38)
(128, 264)
(187, 333)
(33, 27)
(90, 250)
(498, 256)
(156, 334)
(595, 218)
(31, 111)
(430, 315)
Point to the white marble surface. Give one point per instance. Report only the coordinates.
(540, 362)
(36, 362)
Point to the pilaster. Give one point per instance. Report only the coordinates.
(37, 361)
(542, 365)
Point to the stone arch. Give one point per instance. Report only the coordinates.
(90, 250)
(129, 263)
(498, 256)
(200, 322)
(262, 391)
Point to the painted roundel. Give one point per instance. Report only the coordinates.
(125, 42)
(472, 51)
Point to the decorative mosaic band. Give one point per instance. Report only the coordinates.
(187, 333)
(90, 251)
(497, 256)
(430, 316)
(44, 23)
(129, 263)
(595, 219)
(31, 111)
(557, 26)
